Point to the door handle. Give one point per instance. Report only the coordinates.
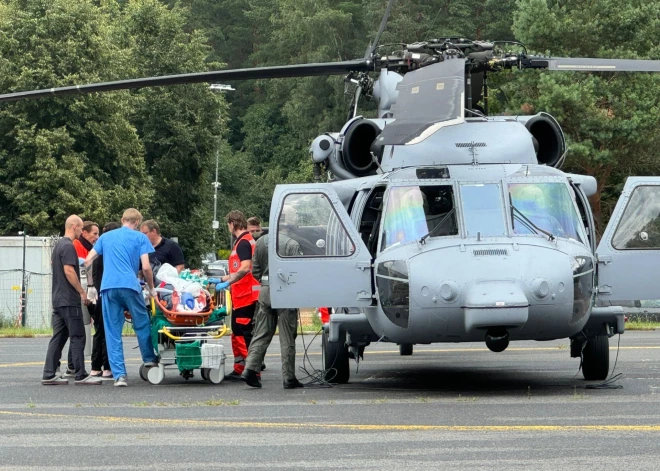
(281, 276)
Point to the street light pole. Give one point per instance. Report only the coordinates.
(217, 87)
(216, 185)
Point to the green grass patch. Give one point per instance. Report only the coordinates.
(23, 332)
(642, 325)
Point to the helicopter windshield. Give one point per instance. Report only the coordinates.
(415, 211)
(549, 206)
(482, 210)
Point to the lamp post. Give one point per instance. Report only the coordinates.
(217, 87)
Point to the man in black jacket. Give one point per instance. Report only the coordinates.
(165, 250)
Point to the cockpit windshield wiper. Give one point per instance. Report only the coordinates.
(527, 222)
(423, 239)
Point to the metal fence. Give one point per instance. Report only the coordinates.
(38, 308)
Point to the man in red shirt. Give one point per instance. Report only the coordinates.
(244, 291)
(85, 243)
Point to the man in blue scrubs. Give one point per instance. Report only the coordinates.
(125, 251)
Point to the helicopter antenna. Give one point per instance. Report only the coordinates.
(363, 79)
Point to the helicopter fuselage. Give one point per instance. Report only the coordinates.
(484, 270)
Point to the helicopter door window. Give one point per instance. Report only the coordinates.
(482, 210)
(548, 206)
(413, 212)
(639, 227)
(308, 226)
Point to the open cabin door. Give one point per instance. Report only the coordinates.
(316, 255)
(629, 252)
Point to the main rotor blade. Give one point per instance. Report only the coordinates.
(381, 28)
(595, 65)
(283, 71)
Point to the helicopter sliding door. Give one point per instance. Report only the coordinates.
(629, 252)
(316, 255)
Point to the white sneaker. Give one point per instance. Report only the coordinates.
(69, 374)
(94, 380)
(121, 381)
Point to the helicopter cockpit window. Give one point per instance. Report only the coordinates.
(548, 206)
(415, 211)
(308, 226)
(639, 227)
(482, 210)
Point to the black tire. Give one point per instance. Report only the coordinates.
(405, 349)
(143, 372)
(335, 356)
(596, 358)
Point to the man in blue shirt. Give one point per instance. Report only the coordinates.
(124, 250)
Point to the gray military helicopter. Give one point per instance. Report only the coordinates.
(439, 223)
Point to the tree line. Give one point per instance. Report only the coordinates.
(155, 149)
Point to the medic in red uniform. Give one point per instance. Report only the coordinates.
(244, 290)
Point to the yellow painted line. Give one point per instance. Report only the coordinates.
(359, 427)
(388, 352)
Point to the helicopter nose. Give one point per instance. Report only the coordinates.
(500, 304)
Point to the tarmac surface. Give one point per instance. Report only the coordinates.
(448, 406)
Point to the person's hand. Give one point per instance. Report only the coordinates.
(83, 298)
(92, 294)
(223, 285)
(152, 293)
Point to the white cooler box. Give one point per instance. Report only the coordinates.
(213, 356)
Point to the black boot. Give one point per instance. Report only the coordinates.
(251, 378)
(293, 383)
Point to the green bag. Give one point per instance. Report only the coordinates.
(189, 355)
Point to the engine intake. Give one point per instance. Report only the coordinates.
(356, 149)
(548, 138)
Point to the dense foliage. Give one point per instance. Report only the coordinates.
(155, 149)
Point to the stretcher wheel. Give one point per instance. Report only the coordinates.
(205, 373)
(156, 374)
(215, 375)
(143, 372)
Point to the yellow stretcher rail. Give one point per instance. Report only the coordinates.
(165, 331)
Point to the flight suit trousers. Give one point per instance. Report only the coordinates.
(265, 323)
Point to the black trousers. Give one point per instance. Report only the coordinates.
(99, 350)
(67, 324)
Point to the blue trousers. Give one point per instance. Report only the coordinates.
(115, 302)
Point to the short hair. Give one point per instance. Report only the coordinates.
(131, 215)
(72, 221)
(254, 221)
(87, 226)
(151, 225)
(237, 219)
(111, 226)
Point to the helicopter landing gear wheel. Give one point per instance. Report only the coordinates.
(596, 358)
(335, 356)
(405, 349)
